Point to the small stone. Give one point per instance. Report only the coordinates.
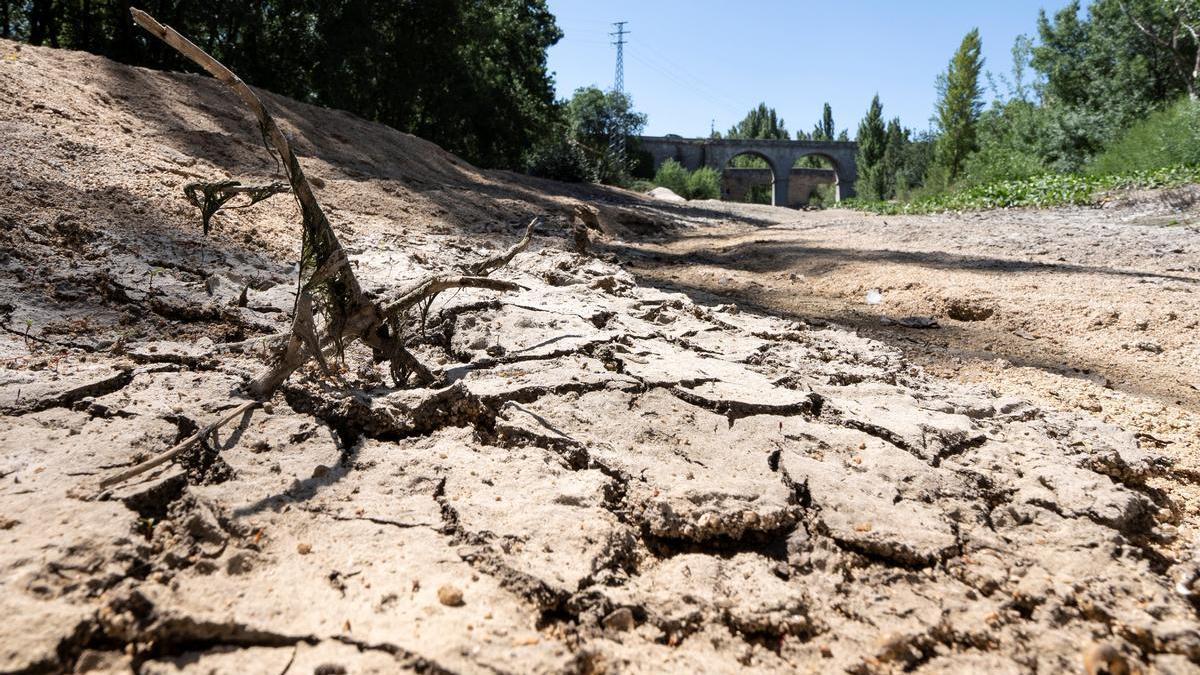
(303, 548)
(620, 620)
(450, 596)
(1103, 658)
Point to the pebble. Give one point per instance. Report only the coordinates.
(1152, 347)
(620, 620)
(450, 596)
(303, 548)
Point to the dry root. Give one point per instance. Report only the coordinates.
(327, 281)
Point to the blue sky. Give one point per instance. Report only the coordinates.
(688, 63)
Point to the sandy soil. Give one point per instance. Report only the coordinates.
(614, 475)
(1079, 309)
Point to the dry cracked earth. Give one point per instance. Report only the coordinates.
(615, 479)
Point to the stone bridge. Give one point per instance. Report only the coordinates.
(780, 155)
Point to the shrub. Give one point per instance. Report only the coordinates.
(1169, 137)
(704, 183)
(642, 186)
(559, 158)
(995, 163)
(672, 176)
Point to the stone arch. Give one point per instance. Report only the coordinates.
(737, 183)
(806, 179)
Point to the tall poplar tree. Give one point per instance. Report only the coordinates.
(825, 129)
(872, 141)
(959, 104)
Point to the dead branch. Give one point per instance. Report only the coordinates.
(327, 280)
(177, 450)
(486, 266)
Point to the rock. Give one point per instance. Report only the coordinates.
(1148, 346)
(918, 322)
(580, 234)
(1104, 659)
(450, 596)
(620, 620)
(665, 194)
(303, 548)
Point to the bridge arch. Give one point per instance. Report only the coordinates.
(815, 175)
(740, 181)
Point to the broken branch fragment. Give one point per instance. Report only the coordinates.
(486, 266)
(177, 450)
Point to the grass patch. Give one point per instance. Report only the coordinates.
(1039, 192)
(1168, 137)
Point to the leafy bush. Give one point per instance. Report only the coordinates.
(672, 176)
(1047, 190)
(1165, 138)
(559, 158)
(993, 164)
(704, 183)
(642, 186)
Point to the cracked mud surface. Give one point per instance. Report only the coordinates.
(614, 479)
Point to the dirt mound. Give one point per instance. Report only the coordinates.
(615, 479)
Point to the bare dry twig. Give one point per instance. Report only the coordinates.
(177, 450)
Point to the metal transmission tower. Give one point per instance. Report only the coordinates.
(619, 80)
(617, 148)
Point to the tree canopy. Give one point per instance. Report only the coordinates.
(872, 142)
(959, 104)
(760, 123)
(469, 75)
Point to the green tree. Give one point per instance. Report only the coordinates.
(1015, 140)
(1107, 68)
(596, 118)
(872, 142)
(760, 123)
(1174, 27)
(469, 75)
(891, 165)
(958, 108)
(825, 130)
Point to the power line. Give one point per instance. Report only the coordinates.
(698, 93)
(690, 79)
